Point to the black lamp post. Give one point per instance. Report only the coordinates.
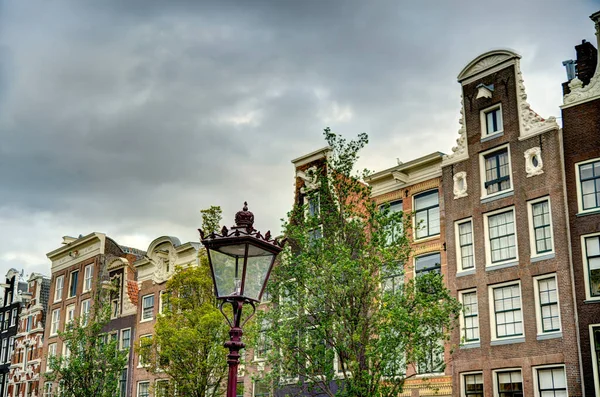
(240, 260)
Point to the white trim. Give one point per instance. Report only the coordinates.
(71, 282)
(580, 209)
(486, 233)
(87, 288)
(138, 387)
(459, 266)
(538, 311)
(54, 332)
(495, 377)
(84, 303)
(594, 358)
(139, 356)
(121, 338)
(491, 288)
(142, 319)
(414, 217)
(482, 180)
(535, 383)
(483, 121)
(586, 271)
(62, 288)
(532, 245)
(463, 387)
(462, 317)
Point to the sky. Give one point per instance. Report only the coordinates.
(129, 117)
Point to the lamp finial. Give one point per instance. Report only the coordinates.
(244, 218)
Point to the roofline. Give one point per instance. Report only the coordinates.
(323, 151)
(507, 52)
(79, 241)
(429, 158)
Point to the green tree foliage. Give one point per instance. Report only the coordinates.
(187, 344)
(345, 321)
(211, 218)
(92, 363)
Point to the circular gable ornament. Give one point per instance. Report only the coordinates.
(533, 162)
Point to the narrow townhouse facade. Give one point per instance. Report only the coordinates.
(14, 288)
(506, 240)
(581, 151)
(29, 341)
(154, 269)
(84, 268)
(415, 188)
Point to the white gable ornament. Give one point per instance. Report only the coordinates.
(310, 178)
(533, 162)
(460, 151)
(460, 185)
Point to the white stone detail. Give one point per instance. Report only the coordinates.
(482, 64)
(310, 178)
(530, 167)
(460, 151)
(460, 185)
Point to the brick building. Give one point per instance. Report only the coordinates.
(153, 270)
(79, 268)
(415, 188)
(581, 148)
(506, 240)
(13, 289)
(25, 369)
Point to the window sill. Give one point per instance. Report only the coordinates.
(512, 263)
(550, 335)
(429, 375)
(465, 272)
(471, 345)
(146, 320)
(425, 239)
(588, 212)
(542, 257)
(496, 134)
(507, 341)
(591, 301)
(497, 196)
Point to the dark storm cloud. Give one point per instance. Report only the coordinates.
(127, 117)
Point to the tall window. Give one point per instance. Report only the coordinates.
(509, 383)
(70, 313)
(73, 283)
(4, 350)
(143, 389)
(502, 236)
(427, 214)
(508, 317)
(392, 278)
(591, 249)
(548, 311)
(58, 288)
(473, 385)
(13, 318)
(551, 382)
(428, 263)
(85, 310)
(48, 389)
(464, 234)
(145, 340)
(497, 172)
(147, 307)
(162, 389)
(11, 347)
(313, 207)
(396, 229)
(470, 323)
(51, 353)
(264, 344)
(55, 321)
(6, 320)
(88, 274)
(123, 383)
(433, 360)
(261, 389)
(493, 120)
(589, 179)
(541, 227)
(125, 339)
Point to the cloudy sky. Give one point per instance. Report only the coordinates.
(128, 117)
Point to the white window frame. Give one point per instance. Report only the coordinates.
(121, 338)
(495, 377)
(580, 209)
(484, 193)
(542, 367)
(58, 295)
(586, 272)
(538, 308)
(532, 240)
(14, 315)
(142, 318)
(52, 349)
(488, 247)
(594, 358)
(142, 364)
(462, 318)
(463, 383)
(71, 282)
(491, 288)
(138, 387)
(254, 382)
(483, 119)
(70, 310)
(88, 275)
(85, 314)
(55, 323)
(457, 224)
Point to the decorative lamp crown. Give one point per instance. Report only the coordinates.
(244, 218)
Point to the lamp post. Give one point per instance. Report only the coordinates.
(240, 261)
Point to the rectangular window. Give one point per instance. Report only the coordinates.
(591, 254)
(540, 224)
(48, 389)
(548, 313)
(88, 274)
(239, 389)
(589, 185)
(433, 359)
(595, 346)
(73, 284)
(13, 317)
(427, 214)
(51, 353)
(264, 344)
(509, 383)
(501, 236)
(428, 263)
(470, 318)
(396, 229)
(58, 288)
(55, 322)
(11, 347)
(147, 307)
(125, 339)
(28, 323)
(85, 311)
(472, 385)
(3, 355)
(162, 389)
(392, 278)
(123, 383)
(551, 382)
(508, 317)
(493, 120)
(145, 340)
(143, 389)
(70, 314)
(6, 320)
(261, 389)
(464, 245)
(313, 207)
(496, 170)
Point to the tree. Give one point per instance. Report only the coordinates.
(91, 363)
(187, 344)
(345, 321)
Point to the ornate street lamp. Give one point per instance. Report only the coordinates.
(240, 260)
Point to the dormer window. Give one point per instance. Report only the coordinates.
(491, 121)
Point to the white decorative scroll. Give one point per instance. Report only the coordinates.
(533, 162)
(460, 151)
(460, 185)
(310, 178)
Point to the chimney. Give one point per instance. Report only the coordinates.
(587, 59)
(570, 66)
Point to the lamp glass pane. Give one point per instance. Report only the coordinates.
(227, 275)
(257, 268)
